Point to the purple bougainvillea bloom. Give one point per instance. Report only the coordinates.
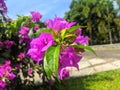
(69, 58)
(2, 85)
(6, 72)
(39, 45)
(78, 31)
(24, 38)
(82, 40)
(21, 55)
(8, 44)
(3, 6)
(35, 16)
(24, 30)
(1, 1)
(58, 24)
(36, 54)
(36, 27)
(63, 73)
(17, 66)
(30, 70)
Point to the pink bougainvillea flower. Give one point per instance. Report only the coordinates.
(63, 73)
(2, 1)
(58, 24)
(6, 72)
(24, 35)
(24, 30)
(17, 66)
(36, 54)
(30, 70)
(39, 45)
(8, 44)
(36, 27)
(78, 31)
(2, 85)
(35, 16)
(21, 55)
(3, 6)
(69, 58)
(24, 38)
(82, 40)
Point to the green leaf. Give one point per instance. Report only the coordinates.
(51, 61)
(73, 28)
(84, 47)
(70, 35)
(43, 30)
(63, 32)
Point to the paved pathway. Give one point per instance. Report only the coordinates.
(106, 60)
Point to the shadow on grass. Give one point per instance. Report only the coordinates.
(90, 82)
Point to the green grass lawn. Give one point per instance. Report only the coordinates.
(109, 80)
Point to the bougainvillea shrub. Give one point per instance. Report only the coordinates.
(29, 47)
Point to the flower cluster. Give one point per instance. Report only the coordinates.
(49, 51)
(7, 44)
(3, 6)
(21, 56)
(24, 34)
(69, 56)
(58, 24)
(39, 45)
(6, 74)
(35, 16)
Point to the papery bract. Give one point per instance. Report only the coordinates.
(39, 45)
(8, 44)
(24, 39)
(24, 30)
(3, 6)
(30, 70)
(35, 54)
(35, 16)
(36, 27)
(2, 85)
(21, 55)
(63, 73)
(82, 40)
(59, 24)
(6, 72)
(69, 58)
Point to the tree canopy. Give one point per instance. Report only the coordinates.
(99, 16)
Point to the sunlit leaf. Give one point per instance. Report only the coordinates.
(51, 60)
(84, 47)
(43, 30)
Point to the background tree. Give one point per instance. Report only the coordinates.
(99, 16)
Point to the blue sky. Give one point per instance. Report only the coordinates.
(48, 8)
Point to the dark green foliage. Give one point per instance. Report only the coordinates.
(99, 16)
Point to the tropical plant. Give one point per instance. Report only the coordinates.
(98, 16)
(29, 47)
